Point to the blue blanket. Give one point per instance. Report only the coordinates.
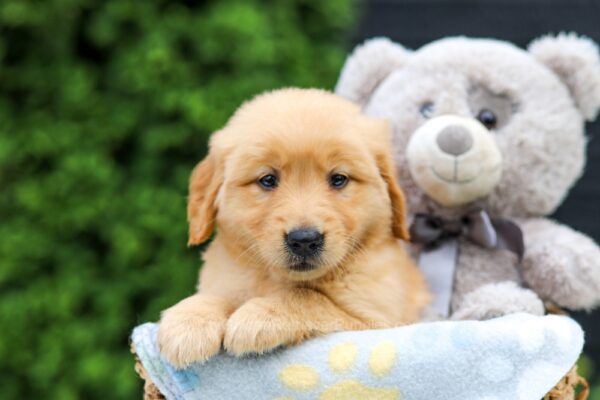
(517, 357)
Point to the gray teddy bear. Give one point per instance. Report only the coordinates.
(488, 140)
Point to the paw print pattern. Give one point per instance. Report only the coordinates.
(342, 358)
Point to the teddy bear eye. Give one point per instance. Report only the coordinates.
(487, 118)
(427, 109)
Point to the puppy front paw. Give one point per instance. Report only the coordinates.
(185, 339)
(257, 327)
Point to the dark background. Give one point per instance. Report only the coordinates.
(417, 22)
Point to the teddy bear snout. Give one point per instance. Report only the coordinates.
(454, 159)
(454, 140)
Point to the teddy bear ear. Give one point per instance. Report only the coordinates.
(575, 59)
(368, 65)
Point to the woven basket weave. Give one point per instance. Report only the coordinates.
(151, 392)
(567, 388)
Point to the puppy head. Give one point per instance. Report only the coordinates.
(298, 182)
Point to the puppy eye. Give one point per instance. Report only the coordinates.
(427, 109)
(487, 118)
(338, 181)
(268, 182)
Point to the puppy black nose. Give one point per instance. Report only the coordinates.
(304, 242)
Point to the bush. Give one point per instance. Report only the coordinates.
(105, 107)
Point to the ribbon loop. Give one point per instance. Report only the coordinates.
(476, 226)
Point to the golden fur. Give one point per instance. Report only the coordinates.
(249, 299)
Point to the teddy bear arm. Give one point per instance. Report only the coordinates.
(561, 264)
(497, 299)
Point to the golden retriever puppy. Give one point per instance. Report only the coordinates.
(301, 187)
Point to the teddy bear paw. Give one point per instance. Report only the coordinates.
(497, 299)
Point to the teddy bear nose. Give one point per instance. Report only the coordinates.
(454, 140)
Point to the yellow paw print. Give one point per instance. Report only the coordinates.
(342, 357)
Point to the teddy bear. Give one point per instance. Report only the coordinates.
(488, 140)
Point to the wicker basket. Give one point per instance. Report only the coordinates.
(567, 388)
(151, 392)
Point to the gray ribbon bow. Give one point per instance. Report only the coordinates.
(476, 226)
(440, 251)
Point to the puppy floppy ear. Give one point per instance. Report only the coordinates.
(367, 66)
(205, 182)
(386, 168)
(577, 63)
(381, 145)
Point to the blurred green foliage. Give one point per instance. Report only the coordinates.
(588, 369)
(105, 107)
